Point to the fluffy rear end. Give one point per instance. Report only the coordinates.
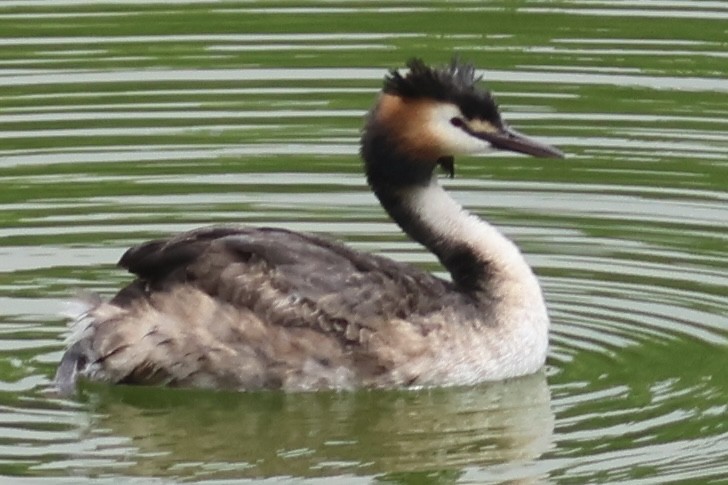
(169, 339)
(182, 337)
(78, 354)
(89, 345)
(74, 361)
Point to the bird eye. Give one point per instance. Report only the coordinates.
(457, 122)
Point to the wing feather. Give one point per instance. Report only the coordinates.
(244, 266)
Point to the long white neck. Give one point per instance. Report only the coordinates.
(472, 249)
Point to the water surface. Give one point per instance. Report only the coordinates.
(122, 121)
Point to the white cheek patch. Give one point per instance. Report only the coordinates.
(452, 139)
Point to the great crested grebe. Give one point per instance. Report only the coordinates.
(250, 308)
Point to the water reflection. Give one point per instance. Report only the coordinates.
(265, 434)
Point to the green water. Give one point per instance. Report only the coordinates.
(122, 121)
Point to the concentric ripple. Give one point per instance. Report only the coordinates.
(122, 121)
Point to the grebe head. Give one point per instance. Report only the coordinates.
(431, 114)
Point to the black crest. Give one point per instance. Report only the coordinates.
(455, 83)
